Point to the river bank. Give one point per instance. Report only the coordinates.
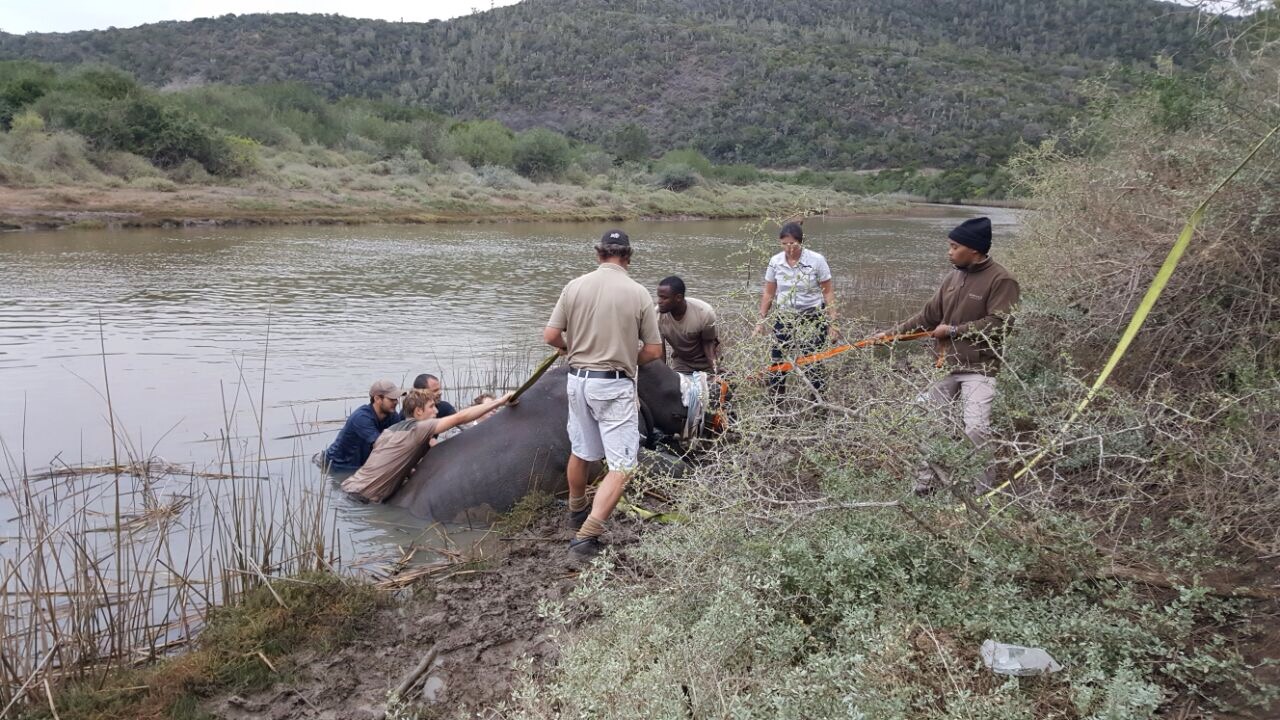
(455, 198)
(451, 639)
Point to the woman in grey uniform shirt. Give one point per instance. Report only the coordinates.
(798, 289)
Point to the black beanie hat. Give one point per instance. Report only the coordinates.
(974, 233)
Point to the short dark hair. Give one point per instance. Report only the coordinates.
(792, 230)
(673, 282)
(420, 382)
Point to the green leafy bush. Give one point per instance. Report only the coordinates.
(630, 143)
(482, 142)
(541, 154)
(687, 158)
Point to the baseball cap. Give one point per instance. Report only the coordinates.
(385, 387)
(615, 237)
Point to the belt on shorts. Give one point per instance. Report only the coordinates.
(599, 374)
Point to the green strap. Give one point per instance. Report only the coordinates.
(542, 368)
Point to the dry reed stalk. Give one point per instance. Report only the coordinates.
(412, 575)
(77, 601)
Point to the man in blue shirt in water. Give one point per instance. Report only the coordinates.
(355, 440)
(427, 381)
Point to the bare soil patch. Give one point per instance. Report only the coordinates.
(482, 623)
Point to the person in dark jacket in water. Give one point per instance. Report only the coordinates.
(968, 318)
(355, 440)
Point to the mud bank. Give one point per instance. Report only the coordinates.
(481, 622)
(59, 207)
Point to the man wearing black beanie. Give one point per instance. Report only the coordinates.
(968, 318)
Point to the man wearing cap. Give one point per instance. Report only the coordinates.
(968, 318)
(688, 327)
(355, 440)
(606, 325)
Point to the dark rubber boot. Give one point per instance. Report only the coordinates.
(576, 518)
(583, 550)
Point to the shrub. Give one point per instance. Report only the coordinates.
(500, 178)
(541, 154)
(240, 111)
(410, 162)
(21, 83)
(154, 183)
(190, 172)
(482, 142)
(27, 123)
(124, 165)
(630, 143)
(322, 157)
(241, 157)
(737, 174)
(676, 177)
(53, 157)
(593, 161)
(15, 175)
(688, 158)
(799, 589)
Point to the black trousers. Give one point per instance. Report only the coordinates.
(797, 333)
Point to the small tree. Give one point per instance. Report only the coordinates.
(541, 154)
(630, 143)
(483, 142)
(688, 157)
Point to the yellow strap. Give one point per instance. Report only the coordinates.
(1140, 315)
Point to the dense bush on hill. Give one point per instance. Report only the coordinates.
(101, 116)
(824, 83)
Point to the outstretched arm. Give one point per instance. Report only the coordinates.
(927, 319)
(475, 412)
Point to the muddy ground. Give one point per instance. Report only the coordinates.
(482, 622)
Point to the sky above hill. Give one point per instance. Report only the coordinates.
(68, 15)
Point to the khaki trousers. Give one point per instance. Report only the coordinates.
(976, 393)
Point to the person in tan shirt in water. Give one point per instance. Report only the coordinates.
(400, 447)
(968, 318)
(688, 328)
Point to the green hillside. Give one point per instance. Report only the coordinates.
(827, 83)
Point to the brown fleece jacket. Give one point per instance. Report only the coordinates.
(978, 301)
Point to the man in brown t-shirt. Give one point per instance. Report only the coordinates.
(399, 448)
(600, 322)
(968, 318)
(688, 327)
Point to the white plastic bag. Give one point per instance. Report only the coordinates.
(1017, 660)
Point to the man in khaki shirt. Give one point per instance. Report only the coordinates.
(600, 321)
(688, 327)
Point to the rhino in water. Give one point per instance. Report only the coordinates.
(524, 448)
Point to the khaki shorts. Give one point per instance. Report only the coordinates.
(604, 421)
